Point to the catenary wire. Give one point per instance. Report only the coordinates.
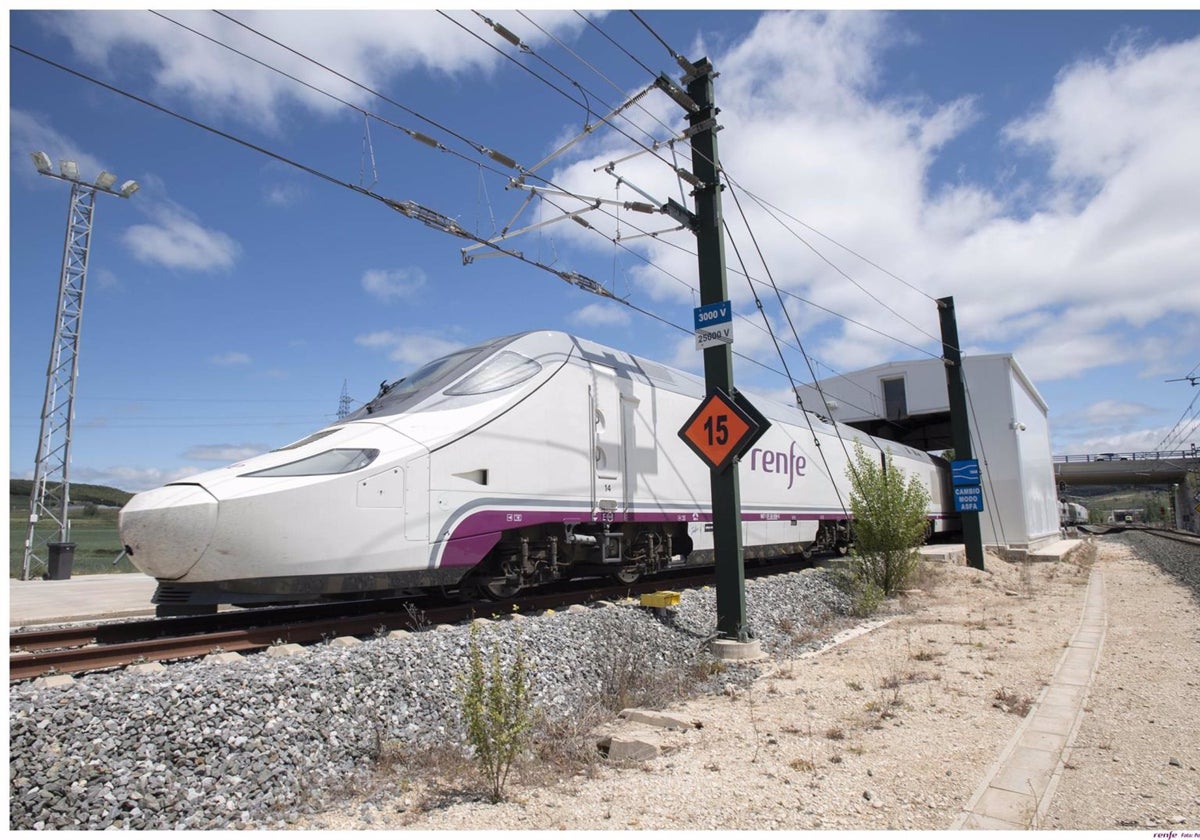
(360, 190)
(553, 86)
(807, 415)
(491, 153)
(679, 59)
(479, 147)
(416, 135)
(634, 58)
(595, 70)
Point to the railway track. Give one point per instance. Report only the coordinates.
(1184, 537)
(97, 647)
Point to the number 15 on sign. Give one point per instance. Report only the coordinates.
(718, 430)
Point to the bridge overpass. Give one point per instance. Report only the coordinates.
(1179, 468)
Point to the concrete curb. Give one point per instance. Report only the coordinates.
(1018, 789)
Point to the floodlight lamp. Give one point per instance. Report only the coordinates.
(42, 161)
(69, 169)
(105, 180)
(129, 188)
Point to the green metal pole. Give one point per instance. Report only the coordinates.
(718, 360)
(960, 428)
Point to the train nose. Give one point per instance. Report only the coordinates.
(167, 530)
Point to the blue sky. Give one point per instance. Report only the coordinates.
(1039, 167)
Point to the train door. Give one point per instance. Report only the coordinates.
(612, 427)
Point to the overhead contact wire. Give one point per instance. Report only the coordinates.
(805, 414)
(634, 58)
(551, 85)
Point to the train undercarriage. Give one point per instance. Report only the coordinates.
(538, 555)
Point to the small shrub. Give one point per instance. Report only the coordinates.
(835, 733)
(889, 523)
(496, 714)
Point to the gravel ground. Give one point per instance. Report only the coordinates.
(894, 728)
(259, 743)
(1136, 756)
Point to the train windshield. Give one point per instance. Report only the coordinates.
(397, 396)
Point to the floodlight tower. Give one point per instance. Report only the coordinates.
(51, 491)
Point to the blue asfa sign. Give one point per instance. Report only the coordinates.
(965, 473)
(967, 499)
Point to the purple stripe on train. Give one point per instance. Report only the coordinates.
(474, 536)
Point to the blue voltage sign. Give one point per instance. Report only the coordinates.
(965, 473)
(713, 314)
(967, 499)
(714, 324)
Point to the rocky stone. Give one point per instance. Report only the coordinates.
(658, 720)
(630, 746)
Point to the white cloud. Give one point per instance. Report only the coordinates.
(283, 195)
(105, 279)
(226, 453)
(1068, 282)
(1112, 411)
(131, 479)
(389, 284)
(1129, 440)
(410, 348)
(369, 46)
(176, 240)
(600, 315)
(30, 133)
(230, 359)
(1106, 113)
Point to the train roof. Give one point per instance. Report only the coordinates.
(682, 382)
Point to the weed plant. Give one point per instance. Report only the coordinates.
(496, 713)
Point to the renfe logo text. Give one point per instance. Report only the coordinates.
(791, 463)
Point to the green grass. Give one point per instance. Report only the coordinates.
(96, 545)
(95, 536)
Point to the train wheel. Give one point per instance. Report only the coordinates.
(627, 575)
(499, 588)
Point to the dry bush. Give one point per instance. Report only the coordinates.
(1012, 702)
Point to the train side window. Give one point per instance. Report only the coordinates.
(503, 370)
(895, 401)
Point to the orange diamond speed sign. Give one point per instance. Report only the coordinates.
(718, 430)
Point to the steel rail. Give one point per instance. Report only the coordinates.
(102, 656)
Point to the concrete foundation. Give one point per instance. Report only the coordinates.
(729, 650)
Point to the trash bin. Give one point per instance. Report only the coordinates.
(62, 557)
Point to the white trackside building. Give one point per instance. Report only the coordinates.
(521, 460)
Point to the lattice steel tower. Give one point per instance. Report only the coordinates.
(50, 495)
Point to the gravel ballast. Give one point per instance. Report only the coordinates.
(259, 742)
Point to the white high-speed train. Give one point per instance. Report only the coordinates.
(521, 460)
